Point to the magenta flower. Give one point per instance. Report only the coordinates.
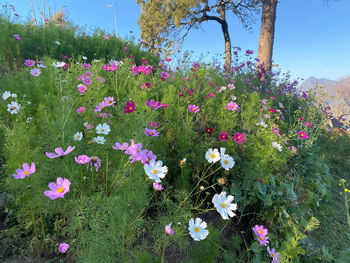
(119, 146)
(26, 171)
(153, 104)
(151, 132)
(239, 137)
(232, 106)
(29, 63)
(63, 247)
(60, 152)
(82, 88)
(86, 65)
(59, 189)
(81, 109)
(169, 230)
(82, 159)
(303, 135)
(129, 107)
(17, 37)
(106, 37)
(193, 108)
(152, 124)
(223, 136)
(157, 186)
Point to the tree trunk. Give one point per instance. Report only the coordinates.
(267, 33)
(227, 39)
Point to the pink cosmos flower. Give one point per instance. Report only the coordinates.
(151, 132)
(148, 157)
(223, 136)
(86, 65)
(109, 101)
(129, 107)
(211, 95)
(263, 240)
(63, 247)
(261, 234)
(82, 88)
(82, 159)
(157, 186)
(81, 109)
(58, 189)
(193, 108)
(35, 72)
(26, 171)
(106, 37)
(274, 255)
(29, 63)
(100, 106)
(60, 152)
(94, 161)
(152, 124)
(239, 137)
(119, 146)
(169, 230)
(153, 104)
(303, 135)
(272, 110)
(232, 106)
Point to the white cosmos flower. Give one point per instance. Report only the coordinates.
(13, 95)
(155, 170)
(224, 205)
(85, 58)
(6, 95)
(58, 64)
(277, 146)
(212, 155)
(198, 229)
(99, 140)
(13, 107)
(227, 162)
(78, 136)
(58, 43)
(103, 129)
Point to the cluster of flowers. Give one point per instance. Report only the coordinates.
(107, 102)
(146, 85)
(17, 37)
(85, 78)
(151, 132)
(13, 106)
(35, 71)
(156, 104)
(145, 69)
(261, 235)
(214, 156)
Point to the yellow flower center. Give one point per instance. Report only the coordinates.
(78, 136)
(196, 229)
(273, 254)
(60, 189)
(154, 171)
(193, 109)
(212, 155)
(98, 140)
(262, 238)
(150, 133)
(225, 162)
(223, 205)
(259, 231)
(26, 173)
(182, 162)
(130, 108)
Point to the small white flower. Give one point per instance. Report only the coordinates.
(58, 64)
(58, 43)
(233, 98)
(198, 229)
(6, 95)
(277, 146)
(280, 105)
(78, 136)
(85, 58)
(223, 205)
(13, 107)
(212, 155)
(202, 188)
(99, 140)
(227, 162)
(85, 124)
(155, 170)
(261, 123)
(29, 119)
(103, 129)
(14, 95)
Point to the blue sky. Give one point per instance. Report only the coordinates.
(312, 38)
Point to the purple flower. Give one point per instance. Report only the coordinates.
(169, 230)
(59, 189)
(151, 132)
(26, 171)
(119, 146)
(261, 234)
(63, 247)
(82, 159)
(80, 109)
(60, 152)
(109, 101)
(148, 157)
(29, 63)
(152, 124)
(157, 186)
(274, 255)
(86, 65)
(96, 162)
(35, 72)
(232, 106)
(153, 104)
(193, 108)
